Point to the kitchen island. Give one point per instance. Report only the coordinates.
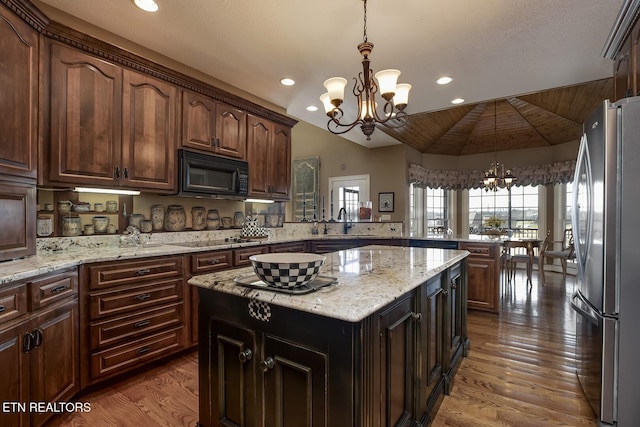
(378, 348)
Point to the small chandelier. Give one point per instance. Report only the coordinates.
(395, 96)
(497, 175)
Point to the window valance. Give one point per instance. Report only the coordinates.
(552, 173)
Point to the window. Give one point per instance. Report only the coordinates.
(428, 210)
(515, 210)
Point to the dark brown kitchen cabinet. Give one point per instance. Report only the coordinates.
(213, 126)
(288, 247)
(269, 157)
(18, 213)
(623, 72)
(39, 351)
(110, 126)
(483, 269)
(133, 312)
(325, 246)
(455, 341)
(19, 96)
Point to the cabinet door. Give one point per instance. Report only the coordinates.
(481, 290)
(232, 376)
(259, 133)
(231, 131)
(398, 363)
(55, 362)
(14, 386)
(19, 99)
(431, 339)
(148, 133)
(295, 384)
(280, 163)
(623, 72)
(18, 213)
(86, 99)
(198, 121)
(454, 316)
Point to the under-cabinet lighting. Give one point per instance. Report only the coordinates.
(258, 201)
(106, 191)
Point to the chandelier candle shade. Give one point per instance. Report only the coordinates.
(365, 87)
(497, 176)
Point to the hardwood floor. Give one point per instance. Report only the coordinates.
(519, 372)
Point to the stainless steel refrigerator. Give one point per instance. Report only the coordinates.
(606, 229)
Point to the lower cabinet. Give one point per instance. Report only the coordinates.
(39, 352)
(483, 269)
(266, 365)
(133, 313)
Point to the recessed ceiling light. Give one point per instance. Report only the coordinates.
(444, 80)
(146, 5)
(287, 81)
(312, 108)
(457, 101)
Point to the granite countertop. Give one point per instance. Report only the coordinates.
(369, 278)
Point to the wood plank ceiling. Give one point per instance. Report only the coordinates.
(541, 119)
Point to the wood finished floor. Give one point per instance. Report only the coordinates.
(519, 372)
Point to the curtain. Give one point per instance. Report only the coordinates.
(552, 173)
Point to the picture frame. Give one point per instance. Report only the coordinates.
(385, 202)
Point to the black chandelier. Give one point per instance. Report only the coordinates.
(497, 175)
(395, 96)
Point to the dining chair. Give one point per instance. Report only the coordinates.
(564, 253)
(525, 252)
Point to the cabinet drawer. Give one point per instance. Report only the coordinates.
(123, 300)
(132, 272)
(479, 250)
(120, 358)
(128, 327)
(288, 247)
(211, 261)
(241, 256)
(53, 288)
(13, 302)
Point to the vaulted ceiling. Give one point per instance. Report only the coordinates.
(539, 119)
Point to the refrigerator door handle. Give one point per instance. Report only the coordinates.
(595, 319)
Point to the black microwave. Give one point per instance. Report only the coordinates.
(208, 175)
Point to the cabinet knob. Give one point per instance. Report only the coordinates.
(117, 172)
(37, 337)
(213, 261)
(267, 364)
(2, 308)
(417, 317)
(126, 173)
(58, 289)
(245, 355)
(27, 342)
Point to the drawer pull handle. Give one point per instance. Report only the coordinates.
(27, 342)
(143, 350)
(2, 308)
(58, 289)
(245, 355)
(143, 272)
(142, 323)
(267, 364)
(213, 261)
(37, 337)
(142, 297)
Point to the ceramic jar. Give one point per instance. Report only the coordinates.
(157, 217)
(213, 219)
(198, 217)
(100, 223)
(64, 206)
(135, 220)
(98, 207)
(226, 222)
(45, 225)
(112, 206)
(238, 219)
(146, 226)
(89, 229)
(175, 218)
(70, 226)
(111, 229)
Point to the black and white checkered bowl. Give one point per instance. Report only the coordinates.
(287, 270)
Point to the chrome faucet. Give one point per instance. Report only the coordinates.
(346, 225)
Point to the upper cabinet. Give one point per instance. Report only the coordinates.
(213, 126)
(18, 96)
(269, 157)
(110, 126)
(623, 46)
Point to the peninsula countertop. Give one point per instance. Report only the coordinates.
(369, 278)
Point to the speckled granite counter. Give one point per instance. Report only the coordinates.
(369, 278)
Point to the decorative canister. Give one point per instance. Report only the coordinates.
(112, 206)
(135, 219)
(213, 219)
(70, 226)
(146, 226)
(238, 219)
(89, 229)
(111, 229)
(45, 225)
(175, 219)
(100, 223)
(98, 207)
(157, 217)
(198, 217)
(64, 206)
(226, 222)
